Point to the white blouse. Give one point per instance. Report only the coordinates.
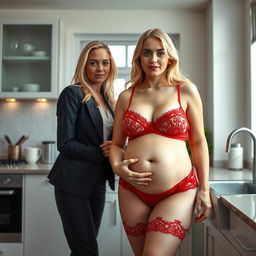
(107, 123)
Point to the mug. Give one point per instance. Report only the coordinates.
(32, 154)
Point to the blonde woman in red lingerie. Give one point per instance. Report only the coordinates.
(158, 186)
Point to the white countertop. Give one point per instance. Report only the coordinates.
(37, 168)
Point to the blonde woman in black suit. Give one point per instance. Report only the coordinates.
(85, 118)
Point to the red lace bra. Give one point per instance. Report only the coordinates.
(172, 124)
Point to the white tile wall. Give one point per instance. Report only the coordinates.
(37, 120)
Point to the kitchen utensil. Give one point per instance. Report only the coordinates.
(19, 141)
(7, 139)
(32, 154)
(30, 87)
(48, 152)
(23, 140)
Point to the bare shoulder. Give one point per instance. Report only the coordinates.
(189, 90)
(123, 98)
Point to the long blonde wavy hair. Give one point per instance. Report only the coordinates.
(172, 71)
(81, 80)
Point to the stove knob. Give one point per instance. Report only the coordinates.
(7, 181)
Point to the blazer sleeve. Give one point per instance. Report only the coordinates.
(68, 107)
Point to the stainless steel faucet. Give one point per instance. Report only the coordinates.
(244, 130)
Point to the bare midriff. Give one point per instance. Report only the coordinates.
(166, 158)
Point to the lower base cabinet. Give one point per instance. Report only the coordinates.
(110, 237)
(215, 243)
(43, 233)
(11, 249)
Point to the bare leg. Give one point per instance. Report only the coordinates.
(134, 213)
(179, 207)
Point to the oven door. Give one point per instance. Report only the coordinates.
(10, 214)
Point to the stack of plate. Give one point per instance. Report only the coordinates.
(30, 87)
(39, 53)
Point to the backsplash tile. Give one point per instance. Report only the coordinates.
(35, 119)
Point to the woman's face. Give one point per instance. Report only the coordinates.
(98, 66)
(153, 58)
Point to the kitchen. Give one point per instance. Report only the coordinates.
(213, 34)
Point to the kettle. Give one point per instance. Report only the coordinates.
(48, 152)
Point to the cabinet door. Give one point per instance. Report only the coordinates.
(11, 249)
(28, 58)
(216, 243)
(43, 232)
(186, 245)
(109, 238)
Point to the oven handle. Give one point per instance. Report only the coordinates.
(7, 192)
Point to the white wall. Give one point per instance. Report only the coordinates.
(189, 24)
(230, 82)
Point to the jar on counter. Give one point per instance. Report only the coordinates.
(48, 152)
(235, 157)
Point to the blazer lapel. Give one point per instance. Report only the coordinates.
(96, 117)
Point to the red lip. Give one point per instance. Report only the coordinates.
(153, 67)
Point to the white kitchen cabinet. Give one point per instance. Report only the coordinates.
(110, 233)
(11, 249)
(215, 243)
(43, 232)
(19, 67)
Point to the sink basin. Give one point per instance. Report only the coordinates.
(219, 188)
(220, 214)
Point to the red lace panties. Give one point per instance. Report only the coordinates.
(189, 182)
(173, 228)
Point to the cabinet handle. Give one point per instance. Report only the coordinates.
(6, 193)
(115, 211)
(243, 244)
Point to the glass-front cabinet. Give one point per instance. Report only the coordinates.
(29, 58)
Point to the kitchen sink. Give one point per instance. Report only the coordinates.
(220, 214)
(219, 188)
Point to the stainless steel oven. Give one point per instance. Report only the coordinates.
(10, 207)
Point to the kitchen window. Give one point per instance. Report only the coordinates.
(122, 47)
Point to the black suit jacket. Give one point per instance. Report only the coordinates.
(79, 134)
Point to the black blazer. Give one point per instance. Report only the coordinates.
(79, 134)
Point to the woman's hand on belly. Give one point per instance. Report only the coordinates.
(137, 179)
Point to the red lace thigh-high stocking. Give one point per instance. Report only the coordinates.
(139, 229)
(174, 228)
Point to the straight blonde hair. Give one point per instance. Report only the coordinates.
(81, 80)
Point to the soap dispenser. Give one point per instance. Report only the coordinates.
(235, 157)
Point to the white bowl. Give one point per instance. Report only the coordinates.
(39, 53)
(30, 87)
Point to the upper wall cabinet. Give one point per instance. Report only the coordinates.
(29, 58)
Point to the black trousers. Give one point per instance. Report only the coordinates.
(81, 218)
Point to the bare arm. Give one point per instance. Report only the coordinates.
(199, 149)
(116, 155)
